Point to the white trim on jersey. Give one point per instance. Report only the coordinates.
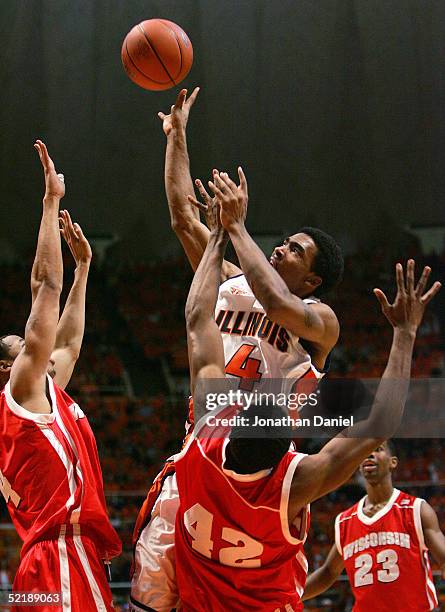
(75, 514)
(67, 464)
(418, 522)
(369, 520)
(64, 570)
(430, 588)
(95, 591)
(217, 467)
(242, 477)
(284, 503)
(37, 417)
(337, 535)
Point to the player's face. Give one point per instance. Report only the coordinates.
(293, 261)
(15, 344)
(378, 465)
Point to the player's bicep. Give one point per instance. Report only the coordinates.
(313, 322)
(434, 538)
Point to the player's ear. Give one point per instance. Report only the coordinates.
(314, 281)
(394, 462)
(5, 365)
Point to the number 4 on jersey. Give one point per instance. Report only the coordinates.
(245, 367)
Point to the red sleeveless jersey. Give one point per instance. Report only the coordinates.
(50, 473)
(385, 556)
(234, 548)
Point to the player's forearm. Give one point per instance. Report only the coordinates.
(267, 285)
(48, 267)
(71, 327)
(318, 582)
(354, 444)
(178, 180)
(203, 292)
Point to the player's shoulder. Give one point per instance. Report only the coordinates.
(405, 500)
(348, 514)
(237, 281)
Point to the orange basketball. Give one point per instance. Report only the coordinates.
(157, 54)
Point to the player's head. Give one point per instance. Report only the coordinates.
(260, 443)
(380, 464)
(310, 262)
(10, 347)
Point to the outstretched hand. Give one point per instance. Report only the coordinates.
(209, 206)
(75, 239)
(179, 112)
(407, 310)
(54, 183)
(232, 198)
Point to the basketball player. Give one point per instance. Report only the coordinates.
(306, 266)
(50, 475)
(383, 542)
(244, 502)
(260, 330)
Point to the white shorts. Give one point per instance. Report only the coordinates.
(154, 580)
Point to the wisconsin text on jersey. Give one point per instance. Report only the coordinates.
(255, 324)
(381, 538)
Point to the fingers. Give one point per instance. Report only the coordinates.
(197, 203)
(225, 183)
(410, 276)
(425, 299)
(242, 180)
(192, 97)
(399, 278)
(204, 195)
(180, 99)
(422, 281)
(161, 115)
(215, 189)
(382, 299)
(79, 232)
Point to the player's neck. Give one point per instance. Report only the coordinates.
(380, 492)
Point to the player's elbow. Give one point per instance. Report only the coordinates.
(48, 283)
(195, 315)
(182, 225)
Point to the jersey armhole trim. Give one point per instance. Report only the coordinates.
(37, 417)
(418, 522)
(284, 503)
(337, 535)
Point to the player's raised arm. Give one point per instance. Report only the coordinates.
(433, 536)
(325, 576)
(336, 462)
(71, 326)
(205, 347)
(28, 372)
(185, 220)
(315, 322)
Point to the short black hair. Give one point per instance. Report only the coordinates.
(328, 264)
(391, 448)
(4, 349)
(258, 447)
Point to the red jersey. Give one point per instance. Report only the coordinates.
(385, 556)
(50, 473)
(234, 548)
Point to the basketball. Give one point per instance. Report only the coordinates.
(157, 54)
